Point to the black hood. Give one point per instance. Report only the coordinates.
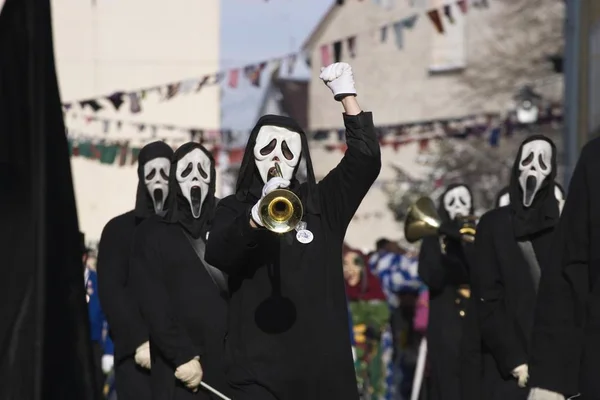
(543, 212)
(442, 210)
(144, 207)
(249, 184)
(179, 208)
(500, 194)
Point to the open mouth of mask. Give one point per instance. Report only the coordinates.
(530, 189)
(159, 200)
(196, 200)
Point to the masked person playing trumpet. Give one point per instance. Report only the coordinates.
(444, 265)
(288, 322)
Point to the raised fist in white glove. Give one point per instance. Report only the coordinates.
(190, 373)
(142, 355)
(522, 374)
(543, 394)
(107, 363)
(272, 184)
(338, 77)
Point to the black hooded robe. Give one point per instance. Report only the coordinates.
(505, 281)
(565, 355)
(127, 328)
(288, 327)
(444, 274)
(184, 310)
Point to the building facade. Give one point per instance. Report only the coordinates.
(408, 72)
(102, 47)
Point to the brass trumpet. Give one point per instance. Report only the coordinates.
(281, 210)
(422, 220)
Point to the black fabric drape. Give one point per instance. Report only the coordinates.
(45, 348)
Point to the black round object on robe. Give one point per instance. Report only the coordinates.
(277, 314)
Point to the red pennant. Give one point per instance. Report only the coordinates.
(233, 78)
(434, 16)
(462, 4)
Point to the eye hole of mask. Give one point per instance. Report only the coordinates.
(163, 174)
(287, 153)
(464, 203)
(187, 170)
(151, 175)
(451, 202)
(541, 161)
(528, 160)
(268, 149)
(202, 173)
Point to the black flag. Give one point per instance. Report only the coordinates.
(45, 348)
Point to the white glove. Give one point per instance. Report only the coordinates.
(338, 77)
(107, 363)
(522, 374)
(142, 355)
(543, 394)
(272, 184)
(190, 373)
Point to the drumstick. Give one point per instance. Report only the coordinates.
(215, 391)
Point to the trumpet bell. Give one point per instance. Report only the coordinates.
(421, 220)
(280, 211)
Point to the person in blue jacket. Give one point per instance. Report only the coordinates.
(102, 344)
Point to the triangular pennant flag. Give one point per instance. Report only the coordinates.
(187, 86)
(462, 4)
(201, 83)
(434, 16)
(448, 13)
(135, 105)
(233, 78)
(172, 90)
(410, 22)
(116, 99)
(398, 28)
(219, 76)
(93, 104)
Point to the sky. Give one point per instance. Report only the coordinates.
(257, 30)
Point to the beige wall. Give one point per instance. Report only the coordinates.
(395, 83)
(126, 45)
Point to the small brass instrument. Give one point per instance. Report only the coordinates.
(422, 220)
(281, 210)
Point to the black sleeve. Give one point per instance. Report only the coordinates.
(471, 366)
(564, 285)
(345, 186)
(118, 302)
(232, 241)
(431, 269)
(148, 280)
(497, 325)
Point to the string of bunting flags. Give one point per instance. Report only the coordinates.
(226, 148)
(329, 53)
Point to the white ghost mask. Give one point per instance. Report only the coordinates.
(504, 200)
(534, 167)
(277, 145)
(457, 201)
(193, 176)
(156, 178)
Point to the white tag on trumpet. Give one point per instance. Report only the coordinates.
(303, 235)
